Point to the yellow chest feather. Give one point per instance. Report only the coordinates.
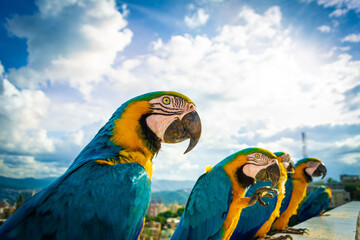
(126, 133)
(297, 195)
(238, 200)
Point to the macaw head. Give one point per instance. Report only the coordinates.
(310, 167)
(285, 159)
(156, 117)
(328, 191)
(253, 164)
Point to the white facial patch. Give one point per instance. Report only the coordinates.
(285, 160)
(165, 110)
(159, 123)
(286, 164)
(311, 167)
(252, 169)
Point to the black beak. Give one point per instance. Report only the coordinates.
(291, 167)
(188, 127)
(271, 173)
(320, 170)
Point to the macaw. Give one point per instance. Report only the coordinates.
(295, 190)
(315, 204)
(255, 220)
(217, 198)
(105, 192)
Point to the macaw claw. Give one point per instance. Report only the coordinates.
(295, 230)
(262, 192)
(282, 237)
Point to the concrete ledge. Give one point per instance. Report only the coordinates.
(339, 223)
(357, 235)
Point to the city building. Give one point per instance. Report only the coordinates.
(339, 197)
(151, 231)
(173, 207)
(311, 187)
(156, 201)
(335, 185)
(153, 209)
(6, 210)
(162, 208)
(166, 234)
(349, 178)
(172, 222)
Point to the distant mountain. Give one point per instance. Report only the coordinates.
(25, 183)
(170, 185)
(178, 196)
(11, 188)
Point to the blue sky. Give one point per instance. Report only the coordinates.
(261, 72)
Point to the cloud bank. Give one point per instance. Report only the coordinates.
(254, 84)
(69, 41)
(199, 18)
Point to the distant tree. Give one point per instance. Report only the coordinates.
(160, 219)
(354, 191)
(149, 219)
(179, 212)
(330, 180)
(357, 194)
(19, 202)
(167, 214)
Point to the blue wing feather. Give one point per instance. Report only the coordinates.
(317, 201)
(253, 217)
(109, 203)
(207, 207)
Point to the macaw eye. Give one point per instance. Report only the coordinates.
(166, 100)
(257, 156)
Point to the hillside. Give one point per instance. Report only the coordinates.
(170, 185)
(25, 183)
(11, 188)
(178, 196)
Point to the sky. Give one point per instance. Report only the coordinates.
(260, 72)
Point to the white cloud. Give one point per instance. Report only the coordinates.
(256, 33)
(164, 168)
(72, 41)
(26, 117)
(198, 19)
(336, 50)
(1, 70)
(284, 144)
(252, 77)
(342, 6)
(21, 115)
(343, 75)
(355, 38)
(351, 159)
(9, 166)
(324, 29)
(351, 4)
(338, 12)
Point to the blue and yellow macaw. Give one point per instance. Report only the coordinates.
(295, 190)
(215, 203)
(256, 220)
(105, 192)
(315, 204)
